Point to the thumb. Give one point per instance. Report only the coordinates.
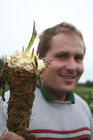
(31, 136)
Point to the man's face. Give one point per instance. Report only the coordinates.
(67, 52)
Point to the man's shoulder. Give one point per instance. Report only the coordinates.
(3, 112)
(80, 100)
(5, 103)
(7, 95)
(81, 103)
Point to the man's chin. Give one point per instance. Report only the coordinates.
(68, 89)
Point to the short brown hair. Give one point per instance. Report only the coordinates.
(46, 36)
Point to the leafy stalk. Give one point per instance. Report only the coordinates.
(32, 54)
(34, 34)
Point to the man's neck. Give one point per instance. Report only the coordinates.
(59, 96)
(56, 95)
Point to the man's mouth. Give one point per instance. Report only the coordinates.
(67, 76)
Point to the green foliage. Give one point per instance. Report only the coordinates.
(1, 63)
(87, 94)
(6, 88)
(89, 83)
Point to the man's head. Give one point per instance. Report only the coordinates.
(65, 46)
(46, 37)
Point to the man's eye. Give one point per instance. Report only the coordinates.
(79, 58)
(61, 56)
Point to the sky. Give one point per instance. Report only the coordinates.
(17, 17)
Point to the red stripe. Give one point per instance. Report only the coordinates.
(57, 131)
(75, 138)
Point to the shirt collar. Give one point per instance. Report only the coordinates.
(47, 96)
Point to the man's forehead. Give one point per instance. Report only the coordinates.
(66, 42)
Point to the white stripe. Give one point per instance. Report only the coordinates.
(71, 135)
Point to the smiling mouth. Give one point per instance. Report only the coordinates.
(67, 76)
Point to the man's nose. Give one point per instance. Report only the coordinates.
(71, 65)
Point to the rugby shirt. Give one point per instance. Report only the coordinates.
(68, 120)
(50, 120)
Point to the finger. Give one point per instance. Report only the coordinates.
(11, 136)
(31, 137)
(1, 138)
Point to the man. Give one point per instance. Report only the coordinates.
(58, 113)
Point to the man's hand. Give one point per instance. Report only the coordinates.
(11, 136)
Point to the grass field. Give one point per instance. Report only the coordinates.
(84, 92)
